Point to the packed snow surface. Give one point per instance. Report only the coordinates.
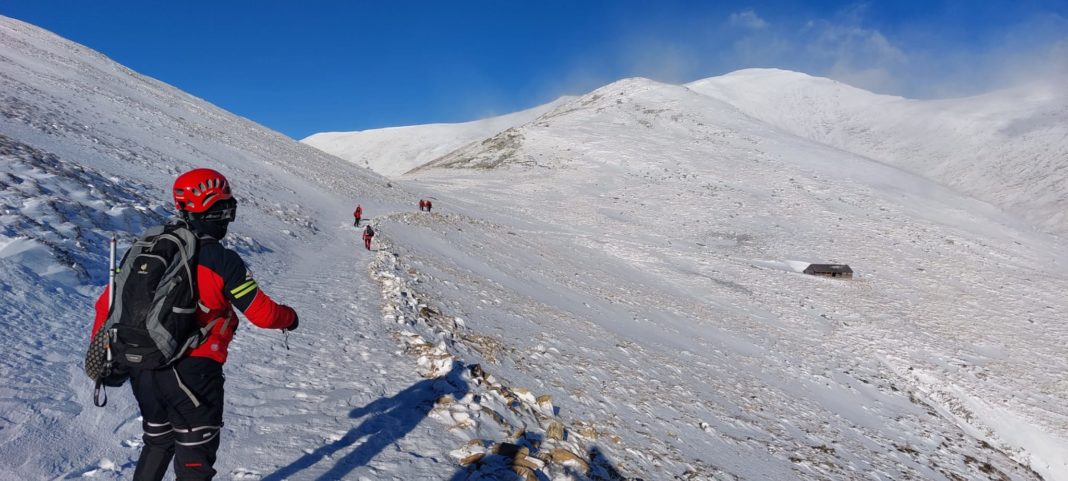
(611, 290)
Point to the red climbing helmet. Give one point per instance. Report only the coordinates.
(197, 190)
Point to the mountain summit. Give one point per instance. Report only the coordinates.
(1009, 147)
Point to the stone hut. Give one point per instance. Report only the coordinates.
(829, 270)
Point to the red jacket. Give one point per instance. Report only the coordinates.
(358, 212)
(223, 283)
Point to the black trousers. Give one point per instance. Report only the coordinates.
(181, 409)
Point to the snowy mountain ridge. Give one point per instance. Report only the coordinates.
(394, 151)
(712, 206)
(1007, 147)
(612, 293)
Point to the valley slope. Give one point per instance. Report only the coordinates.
(662, 232)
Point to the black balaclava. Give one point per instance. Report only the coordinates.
(216, 228)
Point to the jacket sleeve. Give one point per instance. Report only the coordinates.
(243, 292)
(266, 313)
(101, 312)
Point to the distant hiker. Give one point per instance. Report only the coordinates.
(429, 205)
(422, 205)
(358, 213)
(180, 395)
(368, 233)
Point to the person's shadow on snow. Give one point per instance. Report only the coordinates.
(386, 421)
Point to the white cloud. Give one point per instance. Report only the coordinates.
(848, 51)
(873, 79)
(843, 48)
(917, 60)
(661, 60)
(853, 44)
(748, 19)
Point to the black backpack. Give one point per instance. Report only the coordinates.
(152, 322)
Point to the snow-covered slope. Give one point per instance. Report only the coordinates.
(394, 151)
(89, 149)
(661, 232)
(1009, 147)
(611, 294)
(368, 388)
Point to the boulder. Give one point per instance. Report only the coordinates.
(567, 458)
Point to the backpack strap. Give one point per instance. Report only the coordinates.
(98, 391)
(187, 243)
(188, 247)
(194, 341)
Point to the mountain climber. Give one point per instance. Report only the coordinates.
(358, 213)
(368, 233)
(422, 205)
(182, 405)
(429, 205)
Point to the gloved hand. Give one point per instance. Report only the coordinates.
(296, 322)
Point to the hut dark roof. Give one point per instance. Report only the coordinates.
(828, 269)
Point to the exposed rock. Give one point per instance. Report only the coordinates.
(472, 459)
(529, 462)
(555, 431)
(567, 458)
(585, 430)
(525, 395)
(495, 415)
(545, 404)
(526, 473)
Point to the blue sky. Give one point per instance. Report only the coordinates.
(308, 66)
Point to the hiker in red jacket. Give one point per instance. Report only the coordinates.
(182, 406)
(429, 205)
(368, 233)
(358, 213)
(422, 205)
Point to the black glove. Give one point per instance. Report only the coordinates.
(293, 327)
